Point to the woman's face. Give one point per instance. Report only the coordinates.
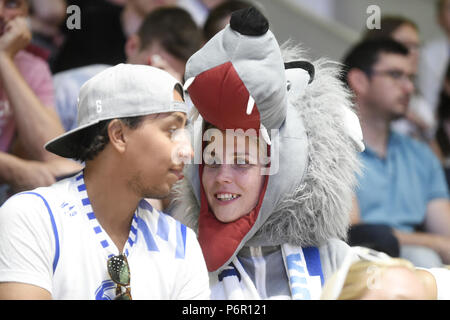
(409, 37)
(232, 180)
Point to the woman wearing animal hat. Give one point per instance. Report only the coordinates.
(268, 229)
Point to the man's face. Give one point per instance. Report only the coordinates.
(156, 56)
(10, 9)
(409, 37)
(390, 86)
(151, 154)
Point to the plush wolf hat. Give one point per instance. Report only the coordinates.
(240, 80)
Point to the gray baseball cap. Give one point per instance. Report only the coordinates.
(121, 91)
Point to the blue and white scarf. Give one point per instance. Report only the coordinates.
(303, 269)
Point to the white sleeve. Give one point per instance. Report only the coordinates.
(28, 238)
(442, 277)
(428, 77)
(194, 278)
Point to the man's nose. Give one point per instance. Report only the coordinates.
(409, 86)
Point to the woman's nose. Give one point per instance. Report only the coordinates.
(224, 174)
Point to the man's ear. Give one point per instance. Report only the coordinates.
(116, 134)
(358, 81)
(132, 46)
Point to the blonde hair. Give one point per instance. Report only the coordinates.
(361, 276)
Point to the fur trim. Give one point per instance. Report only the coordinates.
(184, 205)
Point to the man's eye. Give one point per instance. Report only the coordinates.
(396, 74)
(172, 130)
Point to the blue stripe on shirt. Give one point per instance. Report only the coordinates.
(181, 241)
(149, 240)
(54, 228)
(312, 258)
(163, 227)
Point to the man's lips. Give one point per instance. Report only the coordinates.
(405, 101)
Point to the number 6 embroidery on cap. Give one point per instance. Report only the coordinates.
(98, 103)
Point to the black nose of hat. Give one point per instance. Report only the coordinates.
(249, 22)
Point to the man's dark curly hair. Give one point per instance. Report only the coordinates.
(92, 140)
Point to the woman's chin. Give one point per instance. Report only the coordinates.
(227, 217)
(224, 218)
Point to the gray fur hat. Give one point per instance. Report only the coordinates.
(239, 80)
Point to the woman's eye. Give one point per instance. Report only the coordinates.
(242, 162)
(213, 163)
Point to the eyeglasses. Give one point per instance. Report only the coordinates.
(396, 75)
(412, 45)
(119, 271)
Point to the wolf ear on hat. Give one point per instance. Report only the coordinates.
(298, 75)
(249, 22)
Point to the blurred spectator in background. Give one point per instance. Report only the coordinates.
(419, 121)
(135, 12)
(118, 2)
(366, 274)
(220, 16)
(166, 39)
(105, 27)
(402, 185)
(443, 126)
(199, 9)
(100, 38)
(434, 57)
(46, 19)
(27, 115)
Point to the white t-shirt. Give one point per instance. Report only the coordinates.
(432, 67)
(49, 237)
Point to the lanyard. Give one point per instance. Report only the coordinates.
(103, 238)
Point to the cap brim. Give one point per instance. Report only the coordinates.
(63, 145)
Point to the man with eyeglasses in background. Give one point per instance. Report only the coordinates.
(402, 185)
(93, 235)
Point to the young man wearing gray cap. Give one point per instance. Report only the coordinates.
(92, 236)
